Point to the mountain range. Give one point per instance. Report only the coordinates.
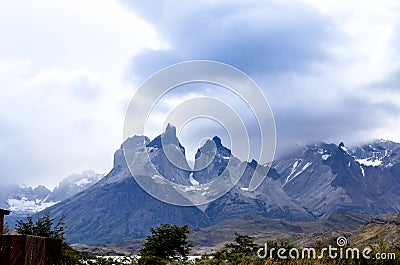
(23, 200)
(313, 182)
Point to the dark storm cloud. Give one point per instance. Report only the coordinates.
(286, 47)
(256, 37)
(344, 118)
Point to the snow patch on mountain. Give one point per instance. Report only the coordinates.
(325, 156)
(25, 206)
(344, 148)
(362, 171)
(23, 200)
(370, 162)
(192, 180)
(82, 182)
(74, 184)
(295, 165)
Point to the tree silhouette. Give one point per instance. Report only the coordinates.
(166, 242)
(44, 226)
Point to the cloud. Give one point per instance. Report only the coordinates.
(265, 36)
(52, 124)
(68, 69)
(314, 61)
(62, 88)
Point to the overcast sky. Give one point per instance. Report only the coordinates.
(68, 69)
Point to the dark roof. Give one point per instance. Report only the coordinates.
(4, 212)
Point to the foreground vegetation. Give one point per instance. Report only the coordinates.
(168, 244)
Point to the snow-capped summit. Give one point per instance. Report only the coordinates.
(378, 153)
(327, 178)
(73, 184)
(23, 200)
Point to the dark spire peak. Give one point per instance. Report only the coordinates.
(170, 129)
(221, 149)
(341, 144)
(253, 162)
(217, 141)
(169, 136)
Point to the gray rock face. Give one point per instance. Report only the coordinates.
(326, 178)
(111, 211)
(168, 156)
(212, 159)
(268, 200)
(313, 182)
(73, 184)
(117, 208)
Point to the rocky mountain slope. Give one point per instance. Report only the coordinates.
(74, 184)
(326, 178)
(311, 183)
(117, 208)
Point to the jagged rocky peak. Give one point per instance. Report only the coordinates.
(135, 141)
(343, 149)
(168, 157)
(322, 148)
(217, 141)
(327, 151)
(377, 153)
(209, 148)
(205, 154)
(42, 190)
(212, 148)
(253, 164)
(169, 137)
(220, 147)
(74, 184)
(211, 160)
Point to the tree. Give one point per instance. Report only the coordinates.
(44, 226)
(167, 242)
(243, 245)
(242, 250)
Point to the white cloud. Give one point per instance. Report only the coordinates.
(323, 65)
(370, 27)
(62, 88)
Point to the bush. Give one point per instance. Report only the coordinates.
(242, 250)
(167, 243)
(43, 226)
